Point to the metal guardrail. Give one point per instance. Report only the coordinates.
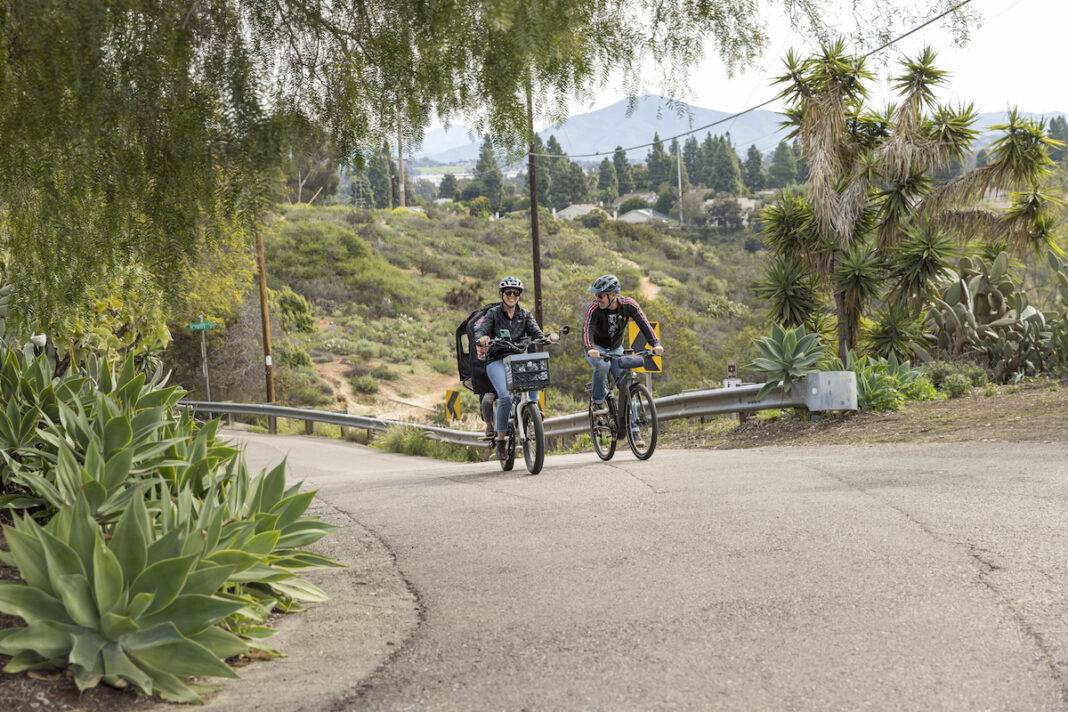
(819, 391)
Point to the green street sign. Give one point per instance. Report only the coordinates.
(201, 325)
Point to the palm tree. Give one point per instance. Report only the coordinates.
(869, 178)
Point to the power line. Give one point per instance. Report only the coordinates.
(761, 105)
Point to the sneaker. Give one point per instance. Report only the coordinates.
(502, 450)
(490, 432)
(600, 408)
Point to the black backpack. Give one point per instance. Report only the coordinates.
(471, 368)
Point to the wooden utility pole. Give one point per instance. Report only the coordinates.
(532, 170)
(266, 319)
(400, 160)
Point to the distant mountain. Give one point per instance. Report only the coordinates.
(604, 129)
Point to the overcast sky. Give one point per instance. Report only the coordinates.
(1017, 57)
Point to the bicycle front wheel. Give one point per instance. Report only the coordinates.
(509, 457)
(642, 425)
(534, 447)
(603, 432)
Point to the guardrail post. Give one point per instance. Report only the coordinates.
(309, 427)
(272, 425)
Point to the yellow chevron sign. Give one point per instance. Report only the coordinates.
(453, 407)
(636, 341)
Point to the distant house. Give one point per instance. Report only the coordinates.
(576, 211)
(644, 216)
(442, 201)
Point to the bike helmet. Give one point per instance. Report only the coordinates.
(510, 283)
(609, 284)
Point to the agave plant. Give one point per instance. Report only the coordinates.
(136, 609)
(786, 356)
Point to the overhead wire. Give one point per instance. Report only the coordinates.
(761, 105)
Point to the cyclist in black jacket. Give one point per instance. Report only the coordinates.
(604, 329)
(508, 320)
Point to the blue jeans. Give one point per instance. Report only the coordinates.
(496, 372)
(600, 371)
(600, 375)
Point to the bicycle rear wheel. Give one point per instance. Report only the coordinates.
(642, 425)
(603, 432)
(534, 447)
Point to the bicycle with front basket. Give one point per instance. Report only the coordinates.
(635, 412)
(526, 372)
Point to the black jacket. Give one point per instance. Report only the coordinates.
(607, 327)
(494, 321)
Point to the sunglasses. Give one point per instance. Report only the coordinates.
(601, 295)
(510, 292)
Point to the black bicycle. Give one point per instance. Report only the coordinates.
(635, 412)
(525, 372)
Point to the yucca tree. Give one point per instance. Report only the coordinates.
(869, 179)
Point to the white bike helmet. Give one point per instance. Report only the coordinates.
(510, 283)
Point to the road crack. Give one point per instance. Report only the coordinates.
(984, 560)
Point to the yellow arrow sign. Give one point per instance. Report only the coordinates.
(453, 407)
(636, 341)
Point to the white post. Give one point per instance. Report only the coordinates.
(678, 165)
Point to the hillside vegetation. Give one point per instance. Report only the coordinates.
(388, 289)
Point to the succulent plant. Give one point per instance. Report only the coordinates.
(786, 356)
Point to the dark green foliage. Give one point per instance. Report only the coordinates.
(895, 331)
(783, 169)
(790, 291)
(658, 164)
(632, 203)
(607, 181)
(447, 187)
(922, 260)
(488, 176)
(754, 169)
(293, 311)
(623, 171)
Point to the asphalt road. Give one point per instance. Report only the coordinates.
(932, 577)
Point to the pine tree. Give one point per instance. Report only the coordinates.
(674, 159)
(691, 157)
(1058, 130)
(705, 158)
(802, 164)
(623, 171)
(754, 169)
(559, 191)
(541, 166)
(607, 181)
(447, 188)
(783, 169)
(380, 178)
(981, 158)
(725, 175)
(488, 175)
(577, 191)
(659, 165)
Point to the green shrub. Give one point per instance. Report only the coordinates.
(632, 203)
(956, 385)
(594, 219)
(364, 384)
(920, 389)
(339, 345)
(443, 366)
(384, 373)
(293, 311)
(878, 391)
(976, 375)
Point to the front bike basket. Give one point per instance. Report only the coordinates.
(527, 372)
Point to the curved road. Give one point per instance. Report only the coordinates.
(897, 577)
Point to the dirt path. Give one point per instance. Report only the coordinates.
(1036, 412)
(646, 288)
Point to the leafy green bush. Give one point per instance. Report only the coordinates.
(594, 219)
(633, 203)
(365, 384)
(384, 373)
(878, 391)
(443, 366)
(293, 311)
(956, 385)
(920, 389)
